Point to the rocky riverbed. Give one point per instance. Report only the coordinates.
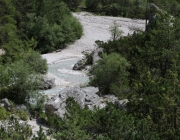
(61, 63)
(95, 28)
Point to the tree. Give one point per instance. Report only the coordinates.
(108, 123)
(73, 4)
(130, 8)
(153, 80)
(18, 82)
(52, 27)
(9, 40)
(111, 69)
(116, 33)
(12, 129)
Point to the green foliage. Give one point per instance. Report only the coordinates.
(4, 114)
(22, 115)
(18, 81)
(115, 32)
(130, 8)
(153, 80)
(73, 4)
(41, 135)
(72, 125)
(36, 62)
(88, 57)
(52, 27)
(109, 123)
(8, 31)
(36, 105)
(111, 69)
(13, 130)
(83, 3)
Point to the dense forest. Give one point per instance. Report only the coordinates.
(142, 67)
(131, 8)
(29, 28)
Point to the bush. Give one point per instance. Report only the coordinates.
(109, 123)
(130, 8)
(52, 28)
(14, 130)
(22, 115)
(111, 69)
(36, 105)
(4, 114)
(73, 4)
(36, 62)
(18, 81)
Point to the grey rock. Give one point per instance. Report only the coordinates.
(96, 55)
(110, 98)
(85, 97)
(93, 57)
(91, 97)
(59, 50)
(2, 52)
(122, 103)
(41, 121)
(79, 65)
(152, 16)
(48, 82)
(6, 104)
(107, 99)
(22, 107)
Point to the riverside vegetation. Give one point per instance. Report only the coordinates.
(28, 28)
(142, 67)
(130, 8)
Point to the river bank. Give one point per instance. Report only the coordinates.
(95, 28)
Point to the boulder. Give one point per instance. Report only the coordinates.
(79, 65)
(41, 121)
(96, 55)
(5, 102)
(85, 97)
(90, 58)
(110, 98)
(48, 82)
(2, 51)
(22, 107)
(122, 103)
(152, 15)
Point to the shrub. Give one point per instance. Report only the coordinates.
(36, 105)
(22, 115)
(111, 69)
(36, 62)
(18, 81)
(14, 130)
(4, 114)
(52, 28)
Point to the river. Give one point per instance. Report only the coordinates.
(95, 28)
